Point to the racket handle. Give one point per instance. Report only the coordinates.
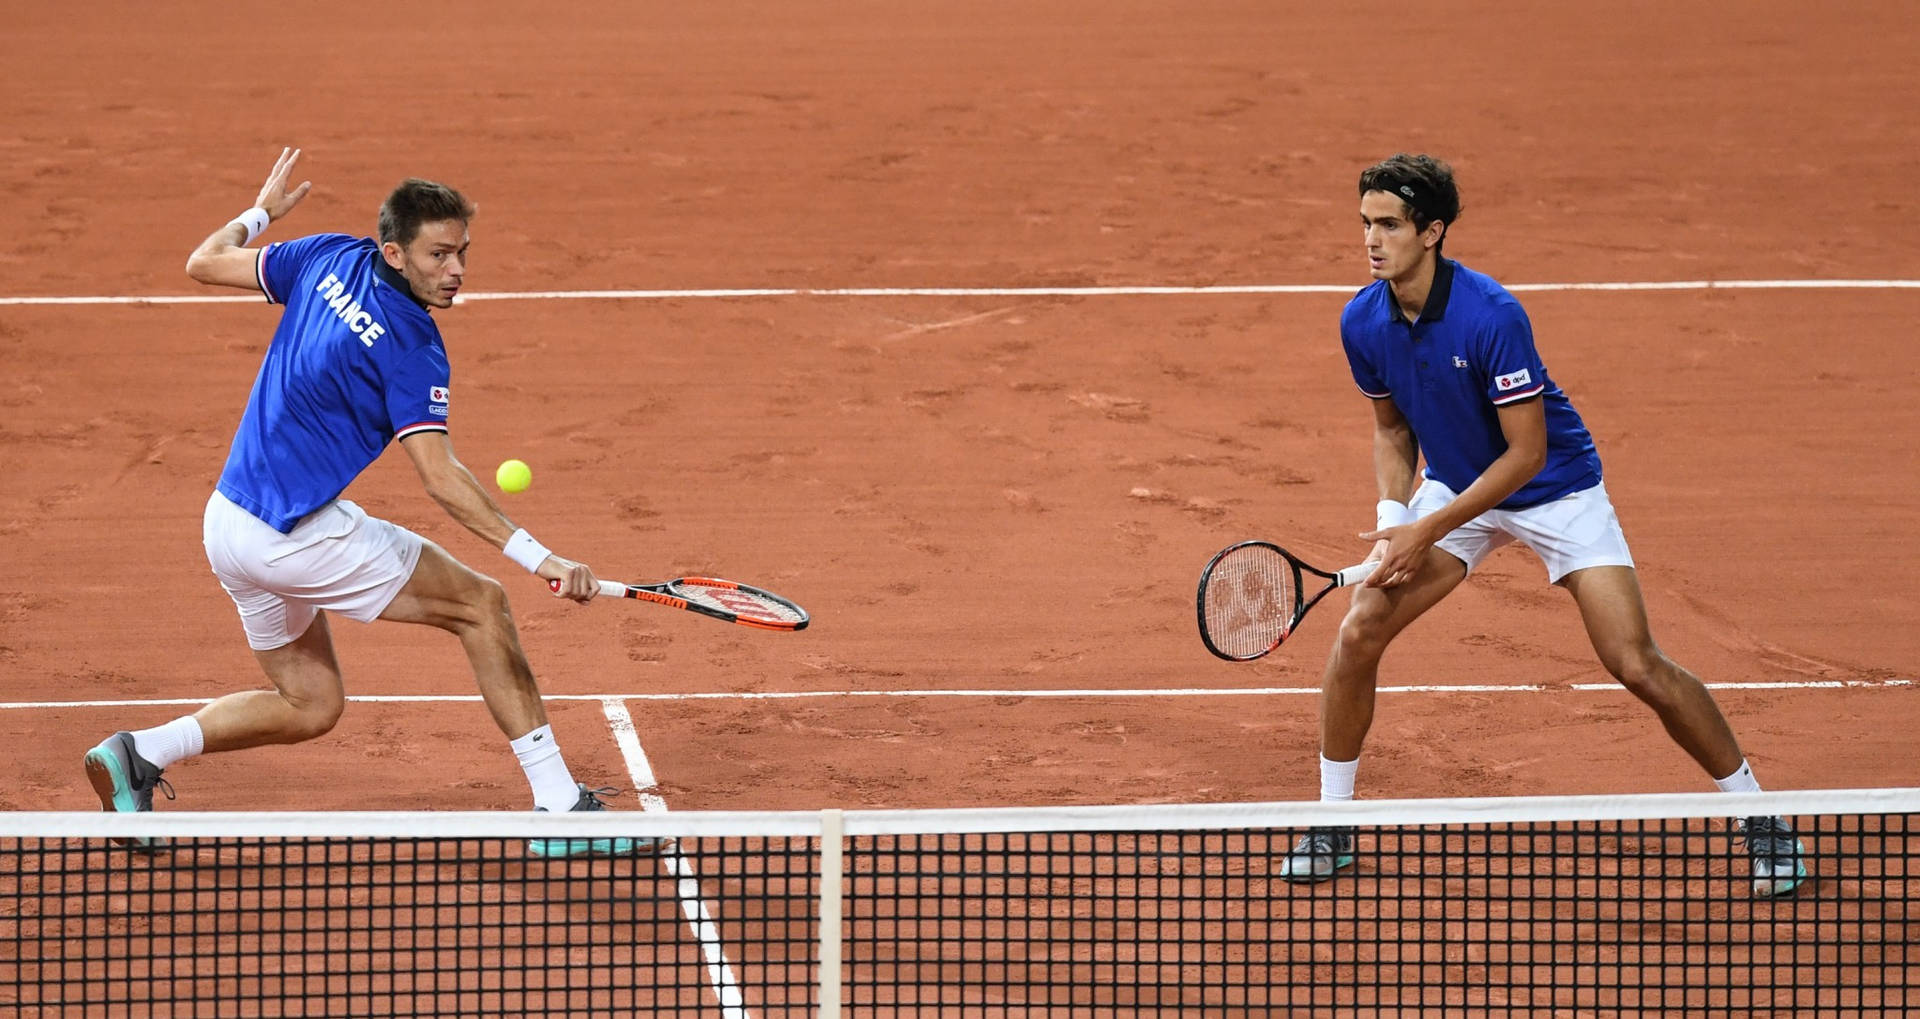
(1355, 574)
(608, 588)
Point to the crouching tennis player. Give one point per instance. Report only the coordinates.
(1446, 357)
(355, 363)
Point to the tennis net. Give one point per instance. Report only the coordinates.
(1564, 906)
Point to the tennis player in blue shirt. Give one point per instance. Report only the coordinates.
(1446, 357)
(356, 363)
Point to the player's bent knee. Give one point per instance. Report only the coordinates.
(439, 577)
(312, 719)
(459, 599)
(1363, 633)
(490, 597)
(319, 723)
(1647, 675)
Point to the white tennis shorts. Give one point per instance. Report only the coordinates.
(337, 558)
(1570, 533)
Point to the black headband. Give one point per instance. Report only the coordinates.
(1418, 198)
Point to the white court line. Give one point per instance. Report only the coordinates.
(1117, 291)
(719, 972)
(627, 736)
(1095, 694)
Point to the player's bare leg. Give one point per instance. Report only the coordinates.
(445, 593)
(1615, 615)
(1377, 615)
(305, 702)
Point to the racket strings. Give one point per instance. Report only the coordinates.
(1250, 601)
(744, 603)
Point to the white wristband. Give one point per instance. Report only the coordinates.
(522, 549)
(1392, 513)
(254, 221)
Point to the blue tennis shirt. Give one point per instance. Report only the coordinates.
(1470, 352)
(355, 363)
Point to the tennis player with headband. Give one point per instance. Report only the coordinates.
(1446, 357)
(356, 362)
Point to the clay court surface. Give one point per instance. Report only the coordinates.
(1006, 493)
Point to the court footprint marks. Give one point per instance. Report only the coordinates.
(1197, 505)
(642, 644)
(637, 513)
(1114, 408)
(827, 663)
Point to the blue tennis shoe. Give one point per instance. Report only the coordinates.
(125, 781)
(618, 846)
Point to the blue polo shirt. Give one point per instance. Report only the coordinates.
(1470, 352)
(355, 363)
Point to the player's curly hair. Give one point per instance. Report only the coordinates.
(1424, 183)
(418, 201)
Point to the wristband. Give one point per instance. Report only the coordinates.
(522, 549)
(254, 221)
(1392, 513)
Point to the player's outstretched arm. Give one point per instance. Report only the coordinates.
(224, 259)
(454, 487)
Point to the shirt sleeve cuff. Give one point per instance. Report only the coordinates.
(423, 426)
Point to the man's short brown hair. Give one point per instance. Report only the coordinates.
(418, 201)
(1424, 183)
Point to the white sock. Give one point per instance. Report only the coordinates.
(539, 754)
(1336, 779)
(177, 740)
(1741, 781)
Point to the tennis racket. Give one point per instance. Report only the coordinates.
(718, 599)
(1252, 597)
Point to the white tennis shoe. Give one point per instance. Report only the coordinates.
(1779, 860)
(1318, 855)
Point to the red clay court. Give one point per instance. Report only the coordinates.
(993, 496)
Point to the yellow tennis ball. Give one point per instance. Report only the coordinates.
(513, 476)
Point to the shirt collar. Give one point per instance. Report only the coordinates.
(398, 282)
(1436, 307)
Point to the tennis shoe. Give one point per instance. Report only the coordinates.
(1779, 865)
(618, 846)
(125, 782)
(1318, 854)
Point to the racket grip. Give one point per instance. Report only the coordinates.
(1355, 574)
(608, 588)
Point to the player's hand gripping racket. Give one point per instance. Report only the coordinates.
(720, 599)
(1251, 597)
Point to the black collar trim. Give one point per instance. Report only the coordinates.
(1437, 295)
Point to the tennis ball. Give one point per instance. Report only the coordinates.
(513, 476)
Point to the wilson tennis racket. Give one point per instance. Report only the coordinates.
(718, 599)
(1252, 596)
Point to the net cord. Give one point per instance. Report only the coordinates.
(1132, 817)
